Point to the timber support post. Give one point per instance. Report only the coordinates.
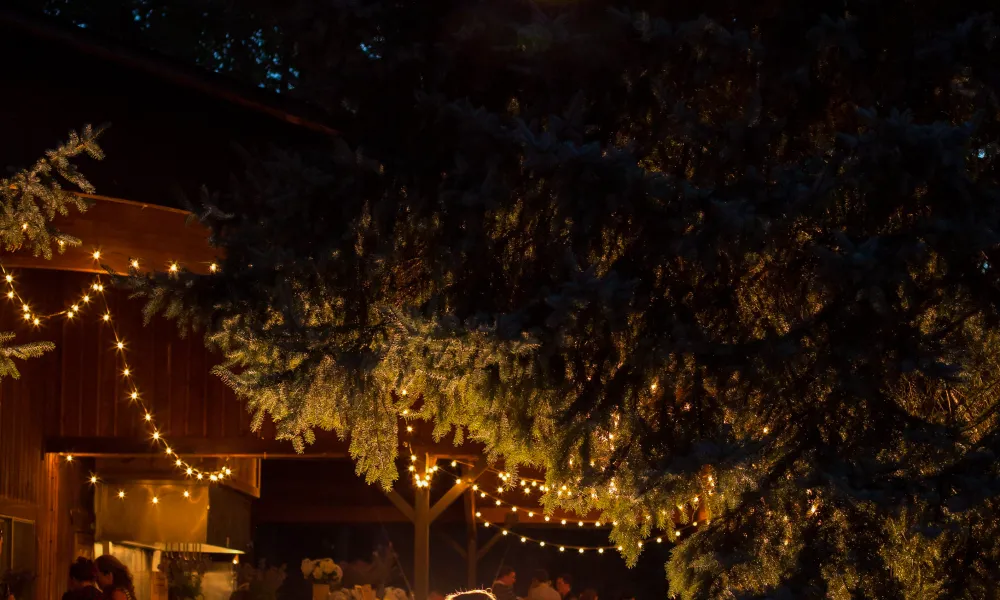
(423, 513)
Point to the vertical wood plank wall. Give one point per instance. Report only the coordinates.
(76, 391)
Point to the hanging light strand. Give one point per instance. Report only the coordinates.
(95, 298)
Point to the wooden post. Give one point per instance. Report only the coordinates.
(421, 538)
(471, 540)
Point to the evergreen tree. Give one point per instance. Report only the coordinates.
(29, 200)
(724, 270)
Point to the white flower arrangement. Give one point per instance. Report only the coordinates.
(322, 571)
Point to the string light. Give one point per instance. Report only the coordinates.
(127, 374)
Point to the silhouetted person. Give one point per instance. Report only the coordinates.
(83, 581)
(114, 578)
(503, 587)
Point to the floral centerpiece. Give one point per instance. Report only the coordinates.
(261, 583)
(367, 592)
(322, 573)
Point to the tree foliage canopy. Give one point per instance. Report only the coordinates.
(725, 259)
(29, 199)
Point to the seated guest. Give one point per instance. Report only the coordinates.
(564, 585)
(82, 581)
(503, 587)
(541, 587)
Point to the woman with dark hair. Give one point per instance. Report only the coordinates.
(83, 581)
(114, 578)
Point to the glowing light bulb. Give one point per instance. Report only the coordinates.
(498, 503)
(190, 471)
(10, 294)
(513, 509)
(9, 278)
(86, 298)
(412, 469)
(156, 435)
(413, 457)
(69, 458)
(148, 417)
(409, 429)
(156, 500)
(562, 548)
(120, 345)
(475, 488)
(173, 267)
(653, 387)
(187, 494)
(547, 518)
(213, 267)
(580, 523)
(581, 550)
(169, 451)
(178, 462)
(479, 514)
(524, 540)
(504, 532)
(564, 521)
(126, 372)
(227, 471)
(135, 264)
(541, 544)
(454, 463)
(97, 254)
(214, 477)
(200, 476)
(36, 321)
(121, 494)
(600, 550)
(677, 533)
(25, 308)
(458, 480)
(531, 514)
(766, 430)
(106, 317)
(93, 479)
(659, 540)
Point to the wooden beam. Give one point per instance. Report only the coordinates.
(471, 540)
(459, 488)
(280, 512)
(447, 539)
(422, 535)
(327, 446)
(488, 545)
(402, 505)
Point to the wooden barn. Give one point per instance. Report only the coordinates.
(80, 472)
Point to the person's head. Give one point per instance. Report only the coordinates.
(589, 594)
(112, 573)
(539, 576)
(564, 583)
(507, 575)
(81, 573)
